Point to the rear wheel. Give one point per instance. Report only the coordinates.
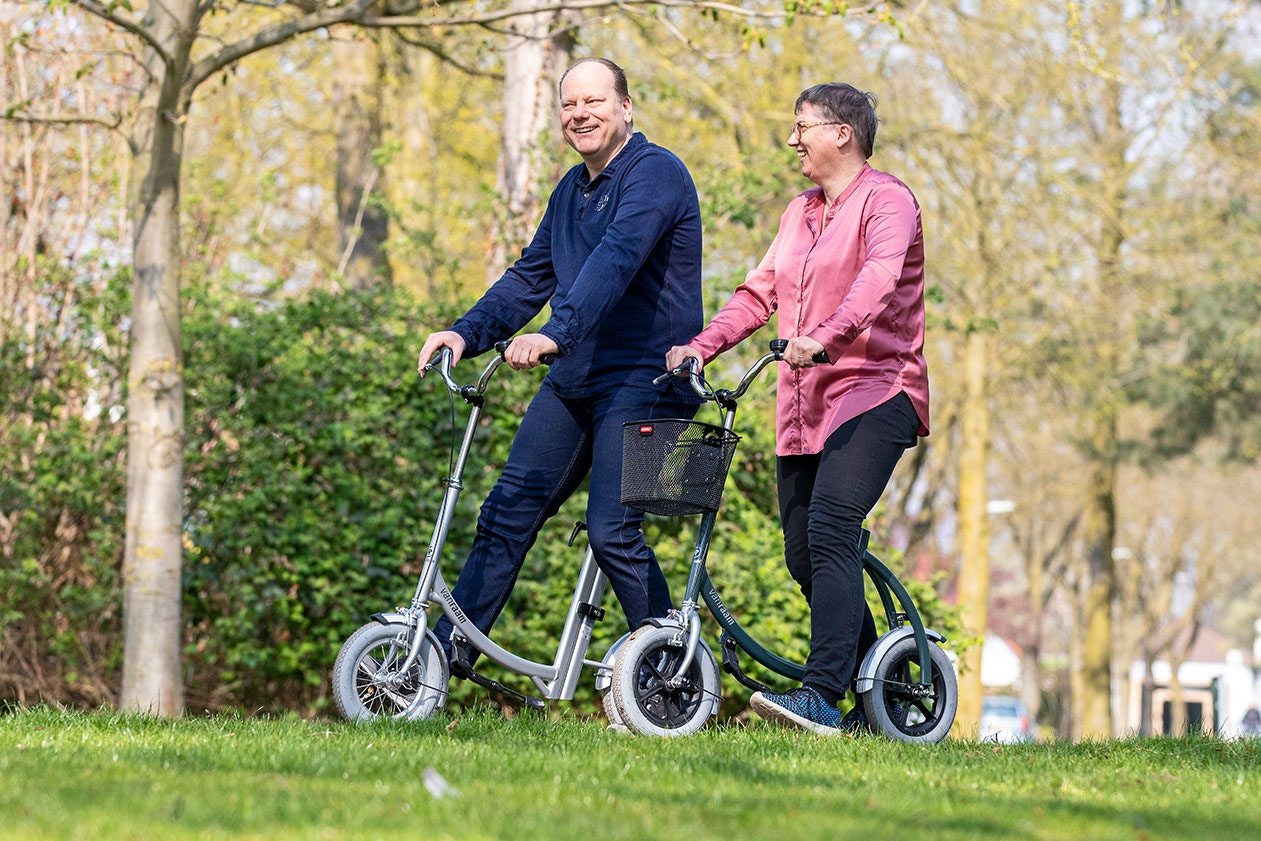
(642, 695)
(368, 683)
(897, 712)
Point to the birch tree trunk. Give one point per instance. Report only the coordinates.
(362, 223)
(533, 62)
(155, 400)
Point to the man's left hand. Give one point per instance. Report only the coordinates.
(525, 350)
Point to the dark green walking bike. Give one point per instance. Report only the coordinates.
(662, 679)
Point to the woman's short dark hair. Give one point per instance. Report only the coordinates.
(845, 104)
(619, 75)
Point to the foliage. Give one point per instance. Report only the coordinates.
(1211, 385)
(313, 474)
(61, 492)
(71, 775)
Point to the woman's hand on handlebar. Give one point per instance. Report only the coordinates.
(678, 354)
(527, 349)
(803, 352)
(436, 342)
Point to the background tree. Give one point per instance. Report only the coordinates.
(183, 44)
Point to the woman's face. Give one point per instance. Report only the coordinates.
(815, 140)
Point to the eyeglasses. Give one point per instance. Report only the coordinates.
(800, 128)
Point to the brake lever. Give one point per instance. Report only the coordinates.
(688, 367)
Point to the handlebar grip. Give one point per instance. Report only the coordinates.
(778, 346)
(545, 359)
(436, 359)
(690, 365)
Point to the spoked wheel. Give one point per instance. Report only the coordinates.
(642, 696)
(367, 683)
(895, 711)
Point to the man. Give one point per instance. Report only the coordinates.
(618, 256)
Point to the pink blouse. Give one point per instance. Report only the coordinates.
(857, 289)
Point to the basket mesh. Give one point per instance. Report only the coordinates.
(673, 466)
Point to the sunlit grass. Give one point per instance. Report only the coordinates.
(71, 775)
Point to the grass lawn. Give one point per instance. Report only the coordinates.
(70, 776)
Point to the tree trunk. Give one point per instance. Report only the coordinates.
(974, 574)
(152, 681)
(1145, 698)
(1094, 717)
(362, 224)
(1177, 706)
(533, 63)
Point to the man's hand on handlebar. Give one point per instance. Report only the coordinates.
(526, 350)
(435, 343)
(676, 356)
(802, 352)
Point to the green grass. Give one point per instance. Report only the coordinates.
(72, 775)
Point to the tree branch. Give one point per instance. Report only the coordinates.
(128, 23)
(271, 35)
(447, 57)
(65, 119)
(578, 5)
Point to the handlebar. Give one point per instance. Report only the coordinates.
(442, 361)
(727, 397)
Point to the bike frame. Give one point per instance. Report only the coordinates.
(898, 607)
(555, 681)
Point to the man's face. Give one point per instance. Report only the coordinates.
(594, 119)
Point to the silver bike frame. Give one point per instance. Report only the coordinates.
(557, 681)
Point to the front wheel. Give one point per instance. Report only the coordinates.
(893, 710)
(641, 693)
(367, 683)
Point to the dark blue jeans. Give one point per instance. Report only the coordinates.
(559, 442)
(823, 500)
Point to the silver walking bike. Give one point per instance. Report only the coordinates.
(394, 667)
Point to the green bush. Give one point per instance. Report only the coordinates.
(314, 468)
(62, 486)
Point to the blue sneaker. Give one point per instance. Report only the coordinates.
(804, 708)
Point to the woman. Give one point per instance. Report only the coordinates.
(846, 274)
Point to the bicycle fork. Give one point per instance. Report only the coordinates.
(417, 612)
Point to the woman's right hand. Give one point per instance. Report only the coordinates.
(677, 354)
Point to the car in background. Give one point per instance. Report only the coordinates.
(1005, 719)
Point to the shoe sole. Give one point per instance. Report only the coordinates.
(774, 712)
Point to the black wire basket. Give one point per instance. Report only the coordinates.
(673, 466)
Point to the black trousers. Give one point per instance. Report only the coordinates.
(823, 500)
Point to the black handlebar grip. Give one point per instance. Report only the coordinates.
(778, 346)
(545, 359)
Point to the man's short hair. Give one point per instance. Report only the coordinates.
(845, 104)
(619, 75)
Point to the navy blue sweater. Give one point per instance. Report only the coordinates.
(619, 258)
